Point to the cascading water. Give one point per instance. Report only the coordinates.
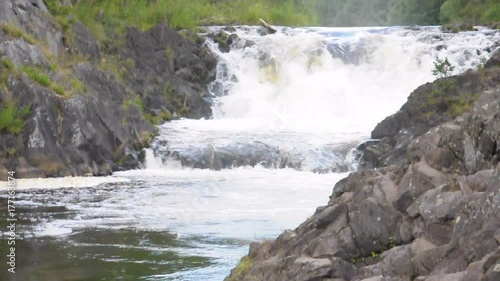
(287, 109)
(302, 98)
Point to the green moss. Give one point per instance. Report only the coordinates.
(446, 99)
(241, 269)
(164, 115)
(12, 117)
(147, 138)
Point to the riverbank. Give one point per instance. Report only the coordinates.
(73, 106)
(424, 207)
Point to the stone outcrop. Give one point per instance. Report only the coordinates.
(427, 208)
(92, 104)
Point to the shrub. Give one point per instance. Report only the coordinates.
(12, 117)
(442, 68)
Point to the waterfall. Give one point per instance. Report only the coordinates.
(304, 97)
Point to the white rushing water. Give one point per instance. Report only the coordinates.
(286, 106)
(300, 98)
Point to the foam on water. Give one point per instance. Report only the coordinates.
(309, 94)
(55, 183)
(301, 92)
(294, 76)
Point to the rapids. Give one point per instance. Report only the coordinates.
(288, 111)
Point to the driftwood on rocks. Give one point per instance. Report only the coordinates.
(268, 27)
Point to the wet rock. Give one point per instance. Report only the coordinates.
(169, 71)
(455, 28)
(223, 39)
(494, 61)
(429, 106)
(102, 126)
(427, 211)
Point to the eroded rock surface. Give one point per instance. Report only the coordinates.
(429, 210)
(92, 104)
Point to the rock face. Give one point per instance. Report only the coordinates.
(429, 210)
(92, 105)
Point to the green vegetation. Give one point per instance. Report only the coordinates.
(14, 31)
(445, 99)
(12, 117)
(8, 64)
(406, 12)
(59, 90)
(242, 268)
(61, 14)
(392, 243)
(104, 17)
(474, 12)
(68, 85)
(442, 68)
(37, 75)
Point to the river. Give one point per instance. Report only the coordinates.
(289, 109)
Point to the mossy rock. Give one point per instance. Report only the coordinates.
(224, 40)
(241, 269)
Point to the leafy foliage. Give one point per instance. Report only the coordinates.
(471, 11)
(442, 68)
(405, 12)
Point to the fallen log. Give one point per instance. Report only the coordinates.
(267, 26)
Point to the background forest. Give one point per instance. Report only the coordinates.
(113, 15)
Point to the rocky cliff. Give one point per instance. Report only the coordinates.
(72, 105)
(425, 205)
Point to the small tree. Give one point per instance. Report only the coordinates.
(442, 68)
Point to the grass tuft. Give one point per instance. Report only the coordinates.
(14, 31)
(12, 117)
(37, 75)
